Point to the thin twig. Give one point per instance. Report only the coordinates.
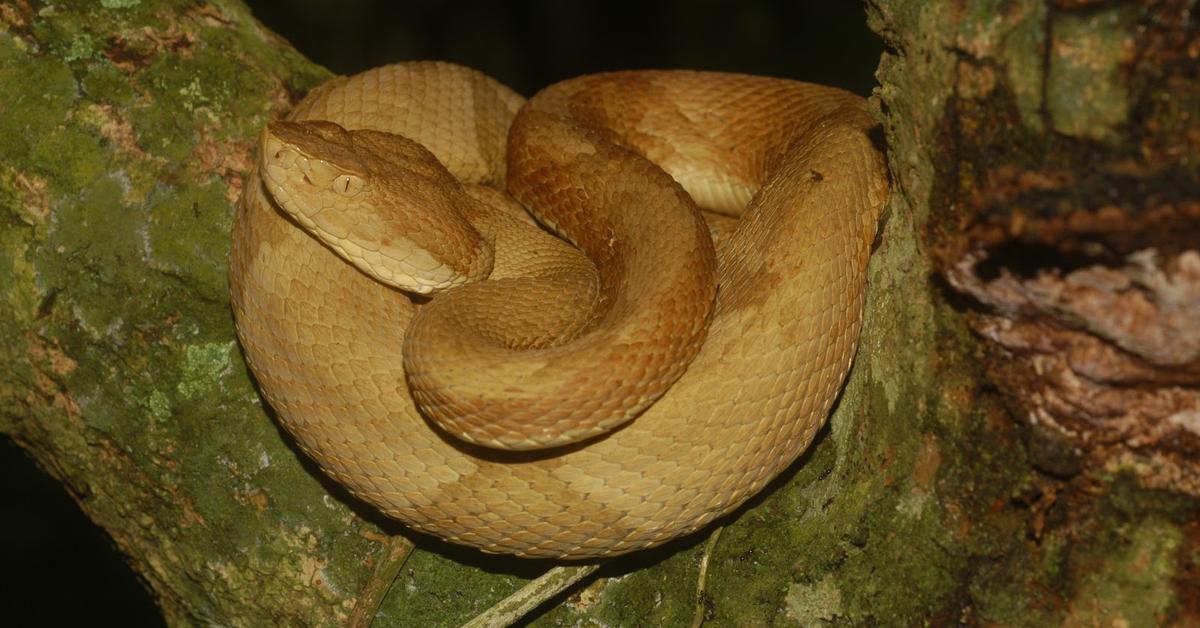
(701, 610)
(514, 607)
(387, 568)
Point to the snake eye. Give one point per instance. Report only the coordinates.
(347, 185)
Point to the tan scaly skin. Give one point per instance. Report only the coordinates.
(570, 406)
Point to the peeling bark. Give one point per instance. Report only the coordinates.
(1085, 264)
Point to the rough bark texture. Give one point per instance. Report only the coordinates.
(1049, 154)
(933, 495)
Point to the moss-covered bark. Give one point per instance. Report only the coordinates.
(127, 125)
(1031, 133)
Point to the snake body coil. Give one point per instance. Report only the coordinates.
(585, 399)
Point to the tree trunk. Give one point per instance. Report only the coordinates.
(1017, 442)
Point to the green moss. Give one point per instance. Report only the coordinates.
(78, 29)
(659, 587)
(434, 590)
(1012, 32)
(91, 234)
(62, 33)
(199, 92)
(1125, 575)
(1112, 561)
(1019, 589)
(1126, 498)
(1086, 94)
(903, 534)
(1025, 63)
(119, 234)
(181, 110)
(43, 90)
(105, 83)
(189, 245)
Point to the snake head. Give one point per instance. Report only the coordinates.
(295, 146)
(381, 201)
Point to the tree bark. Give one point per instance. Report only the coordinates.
(962, 477)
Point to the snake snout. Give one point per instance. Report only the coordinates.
(283, 156)
(277, 153)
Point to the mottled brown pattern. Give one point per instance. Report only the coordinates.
(326, 341)
(1105, 360)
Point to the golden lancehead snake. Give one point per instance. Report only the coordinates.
(449, 361)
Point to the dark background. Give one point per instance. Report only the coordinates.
(530, 44)
(59, 567)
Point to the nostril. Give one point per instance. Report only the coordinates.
(283, 155)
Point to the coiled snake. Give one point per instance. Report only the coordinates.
(563, 399)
